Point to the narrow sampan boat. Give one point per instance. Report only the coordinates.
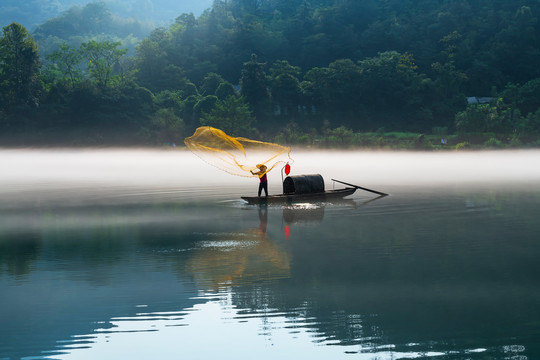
(302, 188)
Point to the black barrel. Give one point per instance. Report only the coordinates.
(303, 184)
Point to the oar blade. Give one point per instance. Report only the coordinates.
(361, 188)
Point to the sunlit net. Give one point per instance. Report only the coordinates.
(236, 155)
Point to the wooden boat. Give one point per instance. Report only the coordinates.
(292, 198)
(302, 188)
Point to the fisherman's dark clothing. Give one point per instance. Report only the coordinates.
(263, 185)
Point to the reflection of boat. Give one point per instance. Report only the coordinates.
(302, 188)
(302, 214)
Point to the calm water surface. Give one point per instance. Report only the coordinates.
(151, 255)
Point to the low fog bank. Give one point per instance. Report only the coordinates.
(431, 168)
(154, 170)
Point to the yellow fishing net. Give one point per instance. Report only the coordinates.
(236, 155)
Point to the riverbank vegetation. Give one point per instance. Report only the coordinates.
(318, 73)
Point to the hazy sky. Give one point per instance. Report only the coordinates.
(159, 10)
(31, 13)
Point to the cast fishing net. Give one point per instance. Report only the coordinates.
(236, 155)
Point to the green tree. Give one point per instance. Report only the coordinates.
(19, 67)
(231, 115)
(101, 58)
(225, 89)
(533, 122)
(393, 92)
(95, 18)
(334, 91)
(526, 97)
(315, 88)
(285, 86)
(254, 87)
(66, 60)
(167, 126)
(210, 84)
(344, 78)
(204, 105)
(449, 79)
(151, 60)
(340, 136)
(488, 118)
(282, 67)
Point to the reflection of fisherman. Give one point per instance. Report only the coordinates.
(263, 219)
(262, 177)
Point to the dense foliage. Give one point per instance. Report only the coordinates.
(264, 67)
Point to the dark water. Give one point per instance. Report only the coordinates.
(90, 269)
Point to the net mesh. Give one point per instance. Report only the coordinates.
(236, 155)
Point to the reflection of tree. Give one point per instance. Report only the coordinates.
(412, 276)
(17, 254)
(361, 277)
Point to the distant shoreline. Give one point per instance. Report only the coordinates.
(392, 141)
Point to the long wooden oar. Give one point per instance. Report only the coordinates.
(361, 188)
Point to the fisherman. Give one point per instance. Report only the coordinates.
(263, 180)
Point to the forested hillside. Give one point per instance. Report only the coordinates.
(287, 68)
(93, 21)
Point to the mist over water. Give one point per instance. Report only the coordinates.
(123, 172)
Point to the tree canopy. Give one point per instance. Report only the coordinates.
(19, 68)
(406, 65)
